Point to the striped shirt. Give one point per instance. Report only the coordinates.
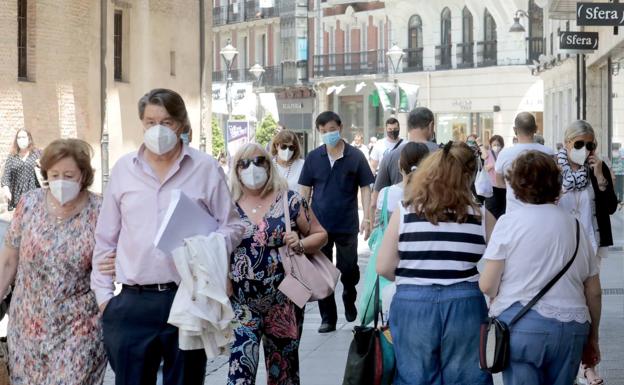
(441, 254)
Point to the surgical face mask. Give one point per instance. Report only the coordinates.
(22, 143)
(64, 190)
(578, 156)
(160, 139)
(394, 134)
(496, 149)
(185, 138)
(253, 177)
(331, 138)
(285, 155)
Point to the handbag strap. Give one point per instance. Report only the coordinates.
(550, 284)
(286, 210)
(384, 210)
(397, 145)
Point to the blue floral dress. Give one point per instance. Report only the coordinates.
(262, 311)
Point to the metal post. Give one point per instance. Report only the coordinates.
(103, 87)
(202, 77)
(578, 86)
(397, 101)
(228, 99)
(584, 69)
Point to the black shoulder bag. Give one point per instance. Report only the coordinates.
(494, 336)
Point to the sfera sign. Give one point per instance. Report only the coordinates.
(585, 41)
(603, 14)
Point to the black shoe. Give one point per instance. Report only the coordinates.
(326, 328)
(350, 311)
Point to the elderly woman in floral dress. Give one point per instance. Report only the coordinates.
(54, 333)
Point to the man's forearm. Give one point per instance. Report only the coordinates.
(366, 202)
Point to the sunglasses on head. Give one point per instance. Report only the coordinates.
(590, 146)
(258, 161)
(285, 147)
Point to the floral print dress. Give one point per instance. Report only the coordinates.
(262, 311)
(54, 332)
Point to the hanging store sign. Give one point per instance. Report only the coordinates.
(586, 41)
(602, 14)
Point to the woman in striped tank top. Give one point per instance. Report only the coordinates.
(431, 249)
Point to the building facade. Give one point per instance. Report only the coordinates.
(274, 35)
(79, 68)
(596, 98)
(460, 60)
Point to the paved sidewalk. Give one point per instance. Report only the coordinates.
(323, 356)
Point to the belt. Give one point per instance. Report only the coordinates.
(153, 287)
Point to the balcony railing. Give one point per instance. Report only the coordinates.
(535, 47)
(487, 54)
(413, 60)
(272, 76)
(350, 63)
(465, 55)
(443, 56)
(240, 12)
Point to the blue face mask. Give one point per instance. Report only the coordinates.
(185, 139)
(331, 138)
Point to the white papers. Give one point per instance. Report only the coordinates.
(183, 219)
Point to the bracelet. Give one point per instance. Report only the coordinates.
(366, 220)
(299, 248)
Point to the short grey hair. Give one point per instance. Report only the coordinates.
(578, 128)
(275, 182)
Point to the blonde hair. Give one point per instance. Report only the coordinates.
(439, 189)
(274, 182)
(578, 128)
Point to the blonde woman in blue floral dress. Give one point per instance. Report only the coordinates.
(54, 331)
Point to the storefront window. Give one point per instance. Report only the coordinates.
(457, 126)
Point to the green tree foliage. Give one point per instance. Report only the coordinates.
(217, 138)
(266, 131)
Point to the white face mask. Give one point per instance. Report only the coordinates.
(22, 143)
(253, 177)
(285, 155)
(496, 149)
(64, 190)
(160, 139)
(578, 156)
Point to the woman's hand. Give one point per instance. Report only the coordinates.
(291, 239)
(107, 265)
(103, 307)
(591, 353)
(489, 167)
(596, 164)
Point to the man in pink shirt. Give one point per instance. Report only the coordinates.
(136, 334)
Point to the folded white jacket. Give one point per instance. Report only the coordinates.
(201, 309)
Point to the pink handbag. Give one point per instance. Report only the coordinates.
(308, 278)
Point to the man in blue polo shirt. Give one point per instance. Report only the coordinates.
(331, 176)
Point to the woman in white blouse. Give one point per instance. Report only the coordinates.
(528, 247)
(286, 153)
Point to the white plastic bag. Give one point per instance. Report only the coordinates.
(483, 184)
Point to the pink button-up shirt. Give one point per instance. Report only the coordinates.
(135, 202)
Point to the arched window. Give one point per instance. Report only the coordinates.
(489, 39)
(467, 26)
(414, 44)
(536, 31)
(465, 50)
(446, 27)
(443, 53)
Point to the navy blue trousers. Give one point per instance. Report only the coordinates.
(137, 338)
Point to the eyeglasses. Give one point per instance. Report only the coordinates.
(258, 161)
(590, 146)
(285, 147)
